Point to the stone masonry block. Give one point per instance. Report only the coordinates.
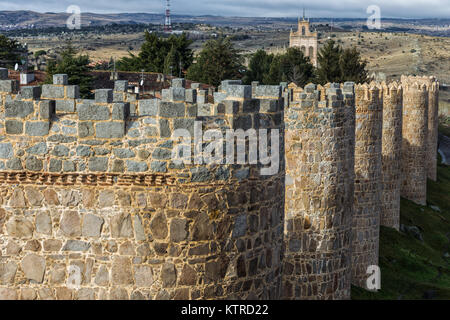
(52, 92)
(3, 74)
(110, 130)
(90, 111)
(32, 92)
(18, 109)
(195, 85)
(174, 94)
(61, 79)
(239, 91)
(120, 111)
(9, 86)
(37, 129)
(349, 87)
(104, 96)
(191, 95)
(149, 107)
(13, 127)
(46, 109)
(65, 105)
(219, 97)
(121, 86)
(268, 91)
(178, 83)
(72, 92)
(171, 110)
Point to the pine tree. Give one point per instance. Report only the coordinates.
(292, 66)
(154, 52)
(11, 52)
(170, 63)
(259, 67)
(217, 61)
(353, 68)
(76, 67)
(329, 59)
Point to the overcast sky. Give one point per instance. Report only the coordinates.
(252, 8)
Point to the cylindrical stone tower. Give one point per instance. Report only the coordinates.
(392, 152)
(367, 206)
(432, 86)
(415, 142)
(319, 195)
(433, 128)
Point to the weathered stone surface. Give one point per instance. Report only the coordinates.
(168, 275)
(143, 276)
(34, 196)
(43, 223)
(121, 226)
(70, 224)
(20, 227)
(8, 294)
(92, 226)
(178, 230)
(17, 199)
(76, 245)
(33, 267)
(121, 273)
(158, 226)
(102, 276)
(7, 273)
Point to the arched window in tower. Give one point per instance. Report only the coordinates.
(303, 31)
(311, 52)
(303, 48)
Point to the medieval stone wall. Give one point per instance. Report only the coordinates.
(392, 146)
(415, 142)
(93, 205)
(319, 195)
(90, 186)
(368, 181)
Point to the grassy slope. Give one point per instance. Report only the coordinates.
(411, 269)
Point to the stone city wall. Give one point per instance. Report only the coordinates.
(92, 205)
(320, 136)
(89, 186)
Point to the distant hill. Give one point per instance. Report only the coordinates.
(25, 19)
(50, 19)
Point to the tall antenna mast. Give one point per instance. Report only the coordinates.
(168, 22)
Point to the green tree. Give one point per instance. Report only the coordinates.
(217, 61)
(292, 66)
(258, 67)
(76, 66)
(329, 59)
(11, 52)
(353, 68)
(154, 52)
(170, 63)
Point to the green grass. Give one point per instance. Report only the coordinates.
(411, 269)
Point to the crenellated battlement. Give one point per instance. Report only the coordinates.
(104, 179)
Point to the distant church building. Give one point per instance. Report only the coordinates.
(305, 40)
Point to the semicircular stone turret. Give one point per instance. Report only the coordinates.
(99, 202)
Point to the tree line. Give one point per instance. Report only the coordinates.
(217, 60)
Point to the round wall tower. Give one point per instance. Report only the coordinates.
(392, 152)
(367, 205)
(415, 142)
(319, 197)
